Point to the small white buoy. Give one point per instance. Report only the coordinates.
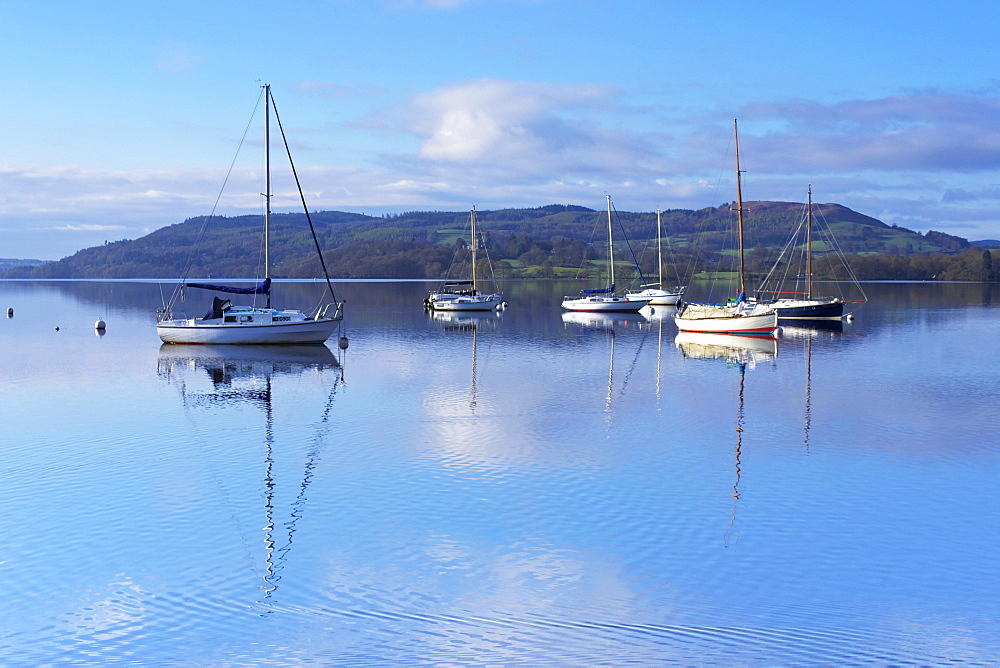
(778, 332)
(849, 317)
(57, 328)
(100, 325)
(342, 343)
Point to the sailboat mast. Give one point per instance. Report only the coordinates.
(611, 248)
(809, 244)
(659, 247)
(739, 208)
(267, 186)
(475, 242)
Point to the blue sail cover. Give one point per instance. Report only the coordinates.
(605, 291)
(259, 289)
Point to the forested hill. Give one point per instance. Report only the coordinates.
(546, 241)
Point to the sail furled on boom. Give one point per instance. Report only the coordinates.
(263, 288)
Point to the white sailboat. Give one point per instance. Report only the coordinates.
(465, 295)
(226, 323)
(605, 300)
(741, 316)
(655, 292)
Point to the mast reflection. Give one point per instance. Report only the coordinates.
(608, 323)
(468, 321)
(807, 332)
(659, 315)
(742, 352)
(246, 374)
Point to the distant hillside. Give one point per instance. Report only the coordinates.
(10, 263)
(987, 243)
(545, 241)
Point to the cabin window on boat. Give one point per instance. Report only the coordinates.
(246, 318)
(230, 318)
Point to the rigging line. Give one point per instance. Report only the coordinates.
(584, 271)
(215, 206)
(302, 196)
(227, 498)
(459, 252)
(827, 233)
(642, 278)
(309, 472)
(635, 360)
(486, 252)
(788, 248)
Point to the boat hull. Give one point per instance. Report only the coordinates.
(667, 300)
(603, 304)
(199, 332)
(481, 303)
(810, 310)
(658, 297)
(725, 320)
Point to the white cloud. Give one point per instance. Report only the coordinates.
(905, 159)
(502, 121)
(90, 228)
(925, 131)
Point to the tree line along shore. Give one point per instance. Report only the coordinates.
(555, 241)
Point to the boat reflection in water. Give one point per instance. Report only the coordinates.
(468, 321)
(734, 348)
(741, 352)
(605, 321)
(227, 363)
(609, 323)
(807, 332)
(658, 315)
(811, 328)
(246, 375)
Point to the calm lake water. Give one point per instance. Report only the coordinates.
(525, 488)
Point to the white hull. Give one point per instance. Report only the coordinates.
(476, 303)
(595, 304)
(657, 297)
(215, 331)
(726, 319)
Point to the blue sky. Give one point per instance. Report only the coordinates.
(120, 118)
